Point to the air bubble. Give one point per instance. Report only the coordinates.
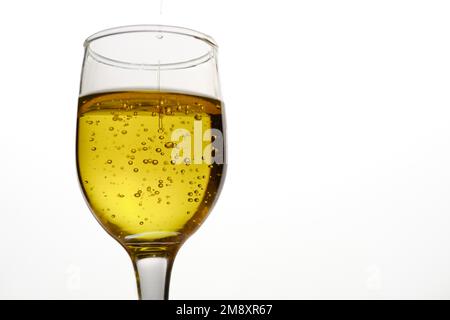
(198, 117)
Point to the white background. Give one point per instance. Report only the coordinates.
(339, 161)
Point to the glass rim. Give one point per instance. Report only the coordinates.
(151, 28)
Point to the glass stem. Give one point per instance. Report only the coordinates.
(153, 276)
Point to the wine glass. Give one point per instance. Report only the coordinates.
(150, 141)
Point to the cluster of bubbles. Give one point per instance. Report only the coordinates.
(194, 196)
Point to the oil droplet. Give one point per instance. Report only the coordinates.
(89, 122)
(149, 189)
(133, 150)
(198, 117)
(188, 212)
(109, 161)
(168, 202)
(91, 139)
(196, 199)
(190, 194)
(111, 128)
(161, 137)
(137, 194)
(124, 131)
(159, 36)
(135, 169)
(158, 149)
(155, 162)
(182, 171)
(145, 161)
(141, 223)
(93, 148)
(160, 185)
(120, 195)
(156, 192)
(113, 216)
(169, 145)
(130, 162)
(190, 200)
(143, 143)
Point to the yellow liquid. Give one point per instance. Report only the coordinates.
(138, 191)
